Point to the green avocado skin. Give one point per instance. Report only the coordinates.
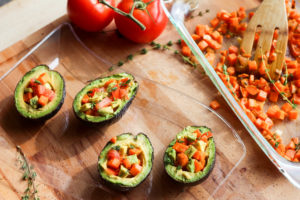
(57, 102)
(208, 168)
(116, 116)
(123, 187)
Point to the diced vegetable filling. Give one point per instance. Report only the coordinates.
(124, 161)
(250, 81)
(107, 98)
(189, 153)
(39, 92)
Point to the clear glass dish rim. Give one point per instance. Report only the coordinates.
(67, 24)
(276, 159)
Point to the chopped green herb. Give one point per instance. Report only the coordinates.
(176, 52)
(111, 68)
(38, 82)
(120, 63)
(178, 41)
(117, 147)
(276, 144)
(178, 167)
(144, 51)
(200, 14)
(170, 43)
(131, 146)
(207, 10)
(130, 57)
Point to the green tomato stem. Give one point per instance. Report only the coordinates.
(128, 15)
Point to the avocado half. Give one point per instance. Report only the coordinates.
(124, 141)
(184, 176)
(49, 110)
(111, 117)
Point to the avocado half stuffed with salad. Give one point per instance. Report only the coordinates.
(105, 99)
(190, 157)
(40, 93)
(126, 161)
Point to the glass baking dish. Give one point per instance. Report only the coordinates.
(177, 12)
(65, 152)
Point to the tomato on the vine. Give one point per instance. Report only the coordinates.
(149, 12)
(90, 15)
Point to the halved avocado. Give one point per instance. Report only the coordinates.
(117, 107)
(55, 82)
(124, 181)
(187, 174)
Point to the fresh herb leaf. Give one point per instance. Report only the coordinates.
(131, 146)
(144, 51)
(178, 41)
(170, 43)
(200, 14)
(114, 89)
(207, 10)
(178, 167)
(176, 52)
(130, 57)
(111, 68)
(120, 63)
(117, 147)
(276, 144)
(37, 81)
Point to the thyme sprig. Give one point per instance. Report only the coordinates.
(29, 175)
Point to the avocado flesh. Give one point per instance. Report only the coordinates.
(186, 176)
(52, 107)
(127, 139)
(105, 114)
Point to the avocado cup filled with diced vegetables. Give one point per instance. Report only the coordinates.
(105, 99)
(190, 157)
(126, 161)
(40, 93)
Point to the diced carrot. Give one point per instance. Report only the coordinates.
(250, 115)
(252, 90)
(250, 15)
(182, 159)
(196, 37)
(202, 45)
(233, 49)
(85, 99)
(252, 65)
(214, 104)
(179, 147)
(204, 138)
(197, 155)
(210, 57)
(231, 70)
(113, 139)
(186, 51)
(43, 100)
(262, 69)
(214, 22)
(133, 151)
(135, 169)
(290, 153)
(272, 111)
(215, 35)
(297, 155)
(201, 30)
(279, 86)
(286, 107)
(296, 99)
(279, 115)
(114, 163)
(126, 163)
(273, 96)
(232, 58)
(293, 114)
(262, 95)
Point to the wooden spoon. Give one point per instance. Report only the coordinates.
(270, 15)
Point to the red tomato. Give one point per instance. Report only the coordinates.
(155, 22)
(90, 15)
(111, 154)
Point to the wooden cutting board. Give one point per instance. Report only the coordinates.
(255, 177)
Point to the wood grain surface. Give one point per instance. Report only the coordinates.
(64, 151)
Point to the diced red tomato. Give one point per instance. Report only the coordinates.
(114, 163)
(43, 100)
(123, 93)
(85, 99)
(135, 169)
(104, 103)
(113, 154)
